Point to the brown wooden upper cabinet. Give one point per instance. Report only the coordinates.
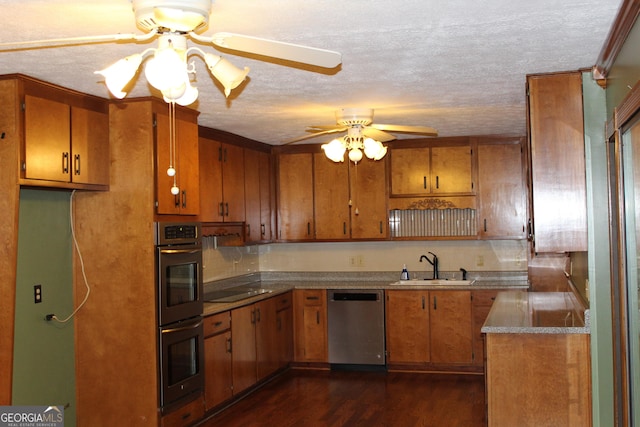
(295, 196)
(221, 181)
(257, 187)
(66, 139)
(349, 199)
(185, 161)
(557, 162)
(431, 170)
(501, 189)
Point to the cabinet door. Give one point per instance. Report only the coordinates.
(185, 162)
(218, 381)
(266, 338)
(257, 194)
(243, 348)
(502, 191)
(410, 172)
(407, 328)
(451, 170)
(310, 325)
(481, 305)
(558, 162)
(90, 146)
(210, 154)
(450, 318)
(47, 140)
(252, 196)
(266, 197)
(295, 196)
(232, 158)
(331, 198)
(369, 213)
(284, 322)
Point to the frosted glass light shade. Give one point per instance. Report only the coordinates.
(119, 74)
(166, 70)
(373, 149)
(334, 150)
(225, 72)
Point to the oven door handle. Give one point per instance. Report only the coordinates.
(180, 251)
(183, 328)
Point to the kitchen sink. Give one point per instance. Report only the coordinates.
(436, 282)
(234, 294)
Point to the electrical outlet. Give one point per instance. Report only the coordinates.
(37, 294)
(479, 261)
(360, 261)
(352, 261)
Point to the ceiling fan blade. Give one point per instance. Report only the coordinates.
(281, 50)
(422, 130)
(313, 135)
(326, 127)
(43, 44)
(377, 134)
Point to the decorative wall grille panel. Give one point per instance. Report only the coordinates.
(432, 222)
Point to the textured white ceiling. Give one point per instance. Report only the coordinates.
(456, 65)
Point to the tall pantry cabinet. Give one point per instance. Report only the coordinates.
(117, 327)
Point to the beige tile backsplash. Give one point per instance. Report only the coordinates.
(496, 255)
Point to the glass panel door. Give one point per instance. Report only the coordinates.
(631, 182)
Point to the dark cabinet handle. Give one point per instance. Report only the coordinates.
(424, 182)
(76, 164)
(218, 323)
(219, 154)
(248, 230)
(318, 317)
(253, 316)
(313, 298)
(308, 228)
(263, 230)
(184, 198)
(435, 303)
(221, 209)
(258, 315)
(485, 225)
(381, 227)
(227, 209)
(344, 228)
(423, 303)
(437, 181)
(228, 345)
(65, 162)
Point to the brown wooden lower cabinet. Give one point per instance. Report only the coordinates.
(480, 306)
(429, 328)
(538, 380)
(310, 325)
(218, 382)
(245, 345)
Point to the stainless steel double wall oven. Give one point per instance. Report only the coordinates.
(180, 332)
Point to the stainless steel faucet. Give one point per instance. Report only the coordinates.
(433, 262)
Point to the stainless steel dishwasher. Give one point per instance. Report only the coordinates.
(356, 326)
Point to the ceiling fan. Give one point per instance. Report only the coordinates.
(362, 135)
(173, 22)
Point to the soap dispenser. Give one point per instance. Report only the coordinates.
(405, 273)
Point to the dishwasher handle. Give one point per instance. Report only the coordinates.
(355, 296)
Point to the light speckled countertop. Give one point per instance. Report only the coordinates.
(515, 312)
(279, 283)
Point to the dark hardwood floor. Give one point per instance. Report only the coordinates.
(336, 398)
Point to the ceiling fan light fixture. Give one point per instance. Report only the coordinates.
(120, 73)
(335, 150)
(225, 72)
(189, 95)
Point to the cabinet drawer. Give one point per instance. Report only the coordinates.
(484, 298)
(217, 323)
(283, 301)
(186, 415)
(313, 297)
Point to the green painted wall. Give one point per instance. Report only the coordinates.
(44, 368)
